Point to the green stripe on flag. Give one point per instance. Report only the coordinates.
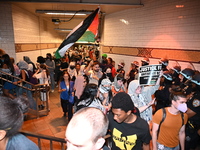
(88, 36)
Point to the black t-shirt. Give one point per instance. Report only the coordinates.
(64, 65)
(129, 136)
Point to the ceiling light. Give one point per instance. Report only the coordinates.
(71, 14)
(62, 29)
(63, 12)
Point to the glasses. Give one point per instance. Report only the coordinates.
(6, 129)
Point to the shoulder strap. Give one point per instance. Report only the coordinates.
(163, 118)
(182, 117)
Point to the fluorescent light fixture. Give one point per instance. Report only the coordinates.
(62, 29)
(63, 12)
(71, 14)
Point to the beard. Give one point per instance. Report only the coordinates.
(96, 70)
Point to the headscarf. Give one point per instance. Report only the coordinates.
(27, 59)
(103, 89)
(132, 87)
(22, 65)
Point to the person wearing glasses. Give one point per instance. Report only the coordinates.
(11, 122)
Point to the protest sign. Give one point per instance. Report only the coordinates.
(149, 74)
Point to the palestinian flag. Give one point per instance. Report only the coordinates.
(91, 33)
(76, 33)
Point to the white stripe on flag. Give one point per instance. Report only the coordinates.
(62, 51)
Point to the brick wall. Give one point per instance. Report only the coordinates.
(6, 29)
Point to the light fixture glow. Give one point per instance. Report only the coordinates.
(63, 12)
(179, 6)
(62, 29)
(124, 21)
(77, 14)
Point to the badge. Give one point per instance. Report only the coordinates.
(196, 103)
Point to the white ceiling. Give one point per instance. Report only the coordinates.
(75, 5)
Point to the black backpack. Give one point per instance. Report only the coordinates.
(163, 118)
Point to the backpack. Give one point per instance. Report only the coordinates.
(163, 118)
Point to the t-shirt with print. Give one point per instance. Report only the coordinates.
(129, 136)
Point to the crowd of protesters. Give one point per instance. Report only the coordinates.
(170, 108)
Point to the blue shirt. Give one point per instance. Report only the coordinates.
(64, 94)
(20, 142)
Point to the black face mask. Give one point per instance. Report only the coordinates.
(109, 74)
(72, 67)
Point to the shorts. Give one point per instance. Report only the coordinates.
(9, 86)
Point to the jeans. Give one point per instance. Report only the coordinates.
(29, 95)
(67, 107)
(52, 80)
(162, 147)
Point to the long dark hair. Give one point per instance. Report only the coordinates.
(8, 62)
(90, 92)
(62, 77)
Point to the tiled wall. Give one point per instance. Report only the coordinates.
(159, 24)
(6, 29)
(30, 29)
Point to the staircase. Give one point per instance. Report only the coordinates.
(31, 91)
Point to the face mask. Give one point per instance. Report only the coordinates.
(182, 107)
(107, 88)
(109, 74)
(72, 67)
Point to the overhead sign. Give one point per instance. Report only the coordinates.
(149, 74)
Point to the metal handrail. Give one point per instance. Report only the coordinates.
(11, 80)
(51, 139)
(34, 88)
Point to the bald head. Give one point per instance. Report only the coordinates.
(86, 128)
